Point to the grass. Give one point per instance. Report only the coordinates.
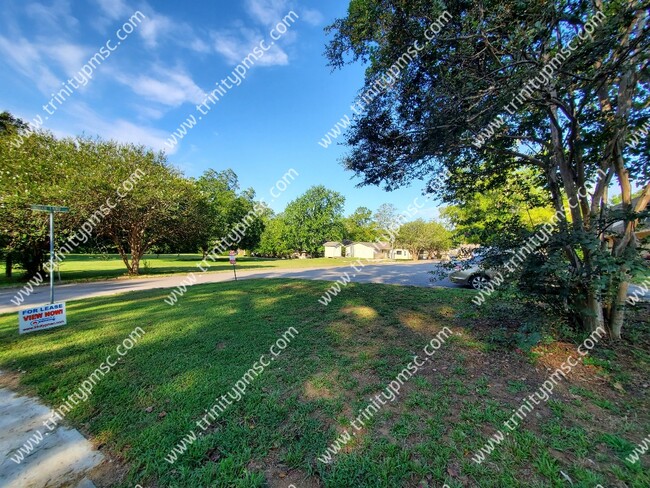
(344, 354)
(643, 277)
(89, 267)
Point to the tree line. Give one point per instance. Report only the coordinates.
(129, 199)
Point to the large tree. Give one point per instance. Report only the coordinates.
(226, 206)
(124, 193)
(274, 239)
(420, 236)
(313, 218)
(492, 217)
(559, 86)
(136, 198)
(360, 226)
(40, 171)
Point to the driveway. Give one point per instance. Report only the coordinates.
(411, 273)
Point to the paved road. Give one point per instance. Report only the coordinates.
(412, 273)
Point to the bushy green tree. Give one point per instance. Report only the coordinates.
(274, 238)
(40, 171)
(498, 216)
(360, 226)
(136, 198)
(314, 218)
(121, 192)
(227, 206)
(419, 236)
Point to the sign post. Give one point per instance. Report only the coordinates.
(233, 261)
(51, 209)
(46, 316)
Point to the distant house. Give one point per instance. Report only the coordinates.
(400, 254)
(333, 249)
(368, 250)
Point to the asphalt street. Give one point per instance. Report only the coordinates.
(405, 274)
(390, 273)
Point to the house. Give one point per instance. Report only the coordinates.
(333, 249)
(400, 254)
(368, 250)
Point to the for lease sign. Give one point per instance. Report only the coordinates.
(39, 318)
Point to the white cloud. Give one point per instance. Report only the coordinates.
(235, 45)
(71, 57)
(57, 16)
(125, 131)
(47, 64)
(121, 130)
(114, 9)
(199, 46)
(170, 87)
(154, 27)
(158, 28)
(267, 12)
(146, 112)
(25, 57)
(270, 12)
(311, 16)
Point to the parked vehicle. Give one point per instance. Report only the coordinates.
(472, 273)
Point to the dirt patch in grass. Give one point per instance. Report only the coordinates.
(11, 380)
(111, 472)
(361, 312)
(279, 475)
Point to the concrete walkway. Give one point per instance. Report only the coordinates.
(411, 273)
(61, 458)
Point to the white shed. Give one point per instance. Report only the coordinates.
(367, 250)
(333, 249)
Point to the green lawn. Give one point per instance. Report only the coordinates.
(85, 267)
(343, 355)
(643, 277)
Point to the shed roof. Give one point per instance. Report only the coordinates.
(374, 245)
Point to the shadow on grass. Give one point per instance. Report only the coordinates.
(191, 354)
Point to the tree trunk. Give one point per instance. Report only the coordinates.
(594, 312)
(136, 256)
(31, 264)
(135, 265)
(123, 255)
(618, 311)
(8, 265)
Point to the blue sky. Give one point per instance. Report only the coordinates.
(152, 81)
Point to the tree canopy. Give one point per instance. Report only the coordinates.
(559, 87)
(360, 226)
(313, 218)
(123, 195)
(420, 236)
